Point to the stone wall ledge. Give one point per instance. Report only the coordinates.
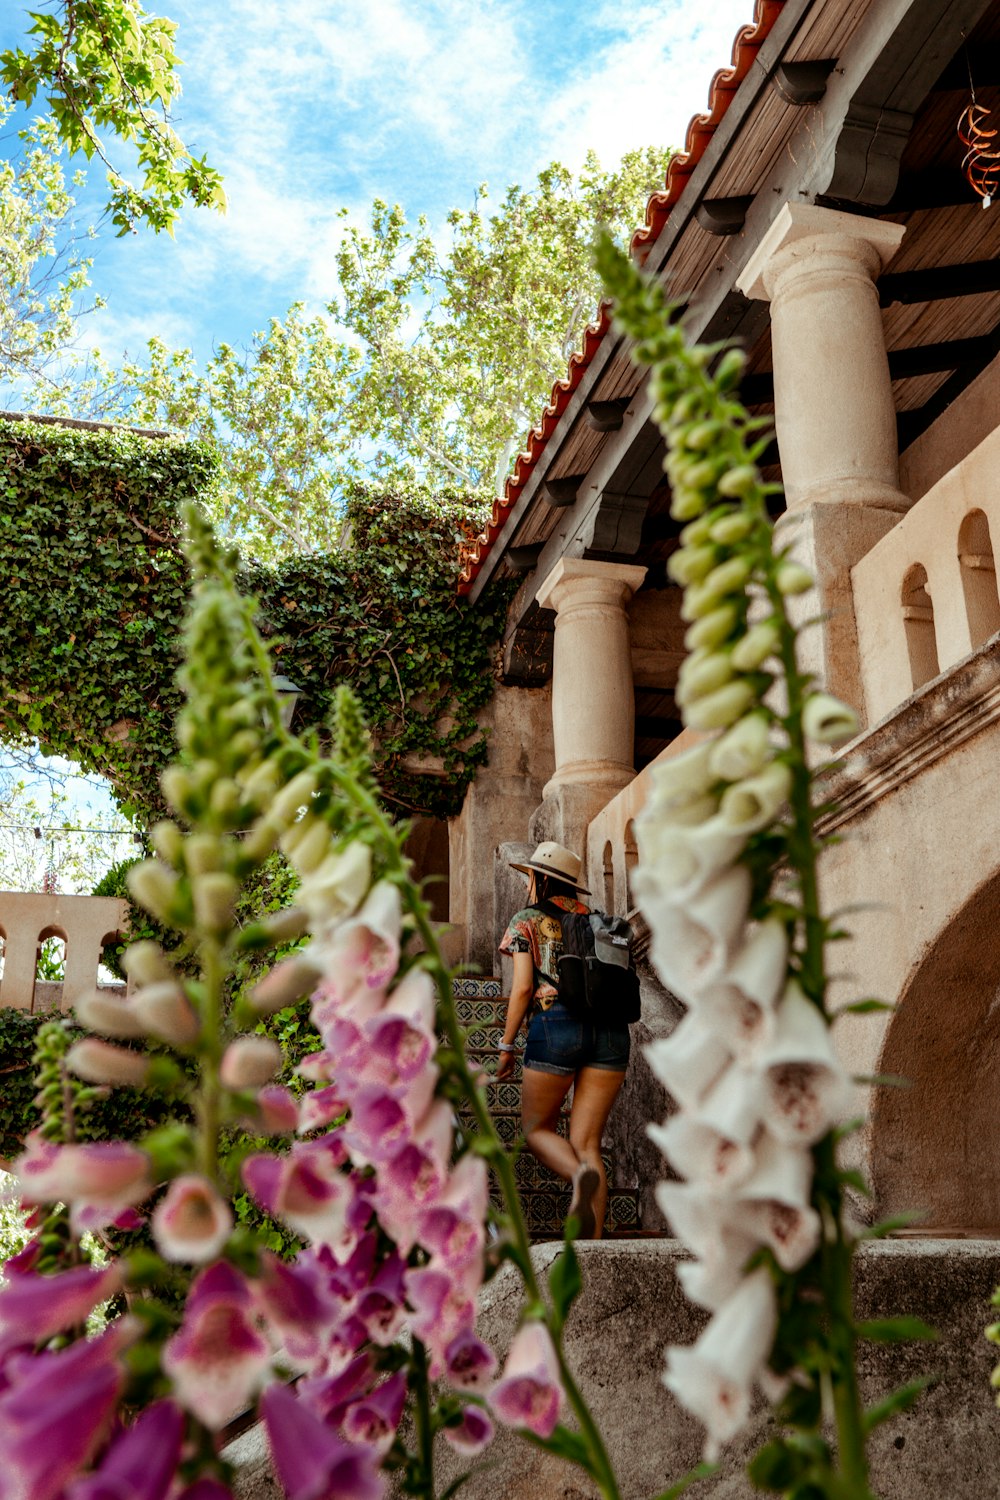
(924, 729)
(946, 1448)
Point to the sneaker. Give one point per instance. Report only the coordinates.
(586, 1181)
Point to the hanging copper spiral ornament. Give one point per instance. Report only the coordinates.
(981, 163)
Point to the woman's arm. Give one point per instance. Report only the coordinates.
(521, 992)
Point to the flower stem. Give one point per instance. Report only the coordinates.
(420, 1379)
(209, 1104)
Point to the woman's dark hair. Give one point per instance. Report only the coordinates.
(547, 886)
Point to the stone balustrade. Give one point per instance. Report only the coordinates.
(925, 596)
(85, 924)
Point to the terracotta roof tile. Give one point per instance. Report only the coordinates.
(699, 133)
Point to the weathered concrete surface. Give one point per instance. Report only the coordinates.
(948, 1448)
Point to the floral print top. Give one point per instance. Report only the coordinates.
(540, 934)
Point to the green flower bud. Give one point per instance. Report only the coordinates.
(146, 963)
(702, 673)
(261, 838)
(697, 532)
(286, 983)
(154, 887)
(263, 780)
(703, 435)
(760, 642)
(723, 707)
(298, 793)
(729, 530)
(307, 843)
(168, 841)
(214, 901)
(226, 797)
(202, 853)
(739, 482)
(729, 577)
(729, 371)
(685, 504)
(691, 564)
(792, 578)
(178, 787)
(712, 629)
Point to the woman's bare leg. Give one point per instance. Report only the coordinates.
(596, 1091)
(542, 1095)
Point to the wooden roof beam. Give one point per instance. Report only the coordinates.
(559, 493)
(904, 364)
(802, 82)
(607, 416)
(938, 283)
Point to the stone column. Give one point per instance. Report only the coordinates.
(593, 708)
(834, 410)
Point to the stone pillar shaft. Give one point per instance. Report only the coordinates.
(834, 410)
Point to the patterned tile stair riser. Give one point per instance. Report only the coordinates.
(544, 1197)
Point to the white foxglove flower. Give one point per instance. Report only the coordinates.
(706, 1224)
(710, 1284)
(692, 942)
(743, 750)
(675, 861)
(702, 672)
(750, 805)
(689, 1060)
(701, 1153)
(687, 773)
(774, 1203)
(723, 707)
(713, 1378)
(740, 1004)
(828, 721)
(337, 886)
(805, 1087)
(732, 1107)
(760, 642)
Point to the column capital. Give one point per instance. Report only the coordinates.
(803, 229)
(579, 580)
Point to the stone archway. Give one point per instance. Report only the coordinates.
(935, 1146)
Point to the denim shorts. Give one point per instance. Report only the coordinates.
(560, 1041)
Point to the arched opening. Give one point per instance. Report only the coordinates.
(50, 969)
(918, 622)
(608, 871)
(631, 860)
(110, 974)
(979, 577)
(935, 1142)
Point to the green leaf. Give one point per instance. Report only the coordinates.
(899, 1401)
(565, 1282)
(885, 1227)
(883, 1080)
(897, 1330)
(564, 1444)
(456, 1485)
(863, 1007)
(778, 1466)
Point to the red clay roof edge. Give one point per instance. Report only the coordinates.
(700, 130)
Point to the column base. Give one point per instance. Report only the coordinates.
(829, 539)
(568, 808)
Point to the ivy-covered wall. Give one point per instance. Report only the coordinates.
(95, 587)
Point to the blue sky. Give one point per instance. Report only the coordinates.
(308, 106)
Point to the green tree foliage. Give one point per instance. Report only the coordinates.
(97, 586)
(428, 368)
(107, 68)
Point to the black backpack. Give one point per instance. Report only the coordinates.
(597, 976)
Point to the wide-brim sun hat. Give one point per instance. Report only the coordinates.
(552, 859)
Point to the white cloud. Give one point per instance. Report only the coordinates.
(651, 73)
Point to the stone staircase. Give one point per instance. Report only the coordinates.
(544, 1197)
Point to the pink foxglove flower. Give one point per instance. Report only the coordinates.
(191, 1222)
(298, 1306)
(367, 946)
(306, 1189)
(529, 1392)
(441, 1310)
(277, 1111)
(107, 1177)
(311, 1462)
(473, 1433)
(713, 1378)
(374, 1419)
(330, 1395)
(320, 1108)
(33, 1308)
(142, 1461)
(336, 887)
(74, 1394)
(469, 1363)
(218, 1359)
